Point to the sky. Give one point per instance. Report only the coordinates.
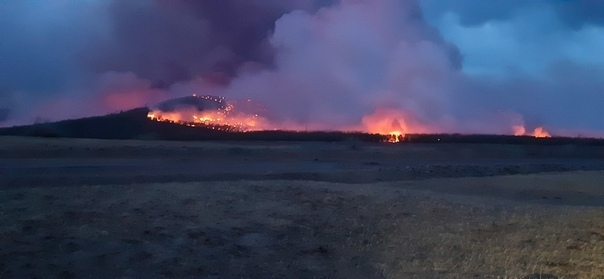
(466, 66)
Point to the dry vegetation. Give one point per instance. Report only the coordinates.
(291, 229)
(461, 241)
(120, 209)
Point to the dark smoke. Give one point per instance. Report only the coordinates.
(68, 58)
(168, 41)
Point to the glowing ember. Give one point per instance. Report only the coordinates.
(218, 117)
(245, 115)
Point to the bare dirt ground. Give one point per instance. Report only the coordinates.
(144, 209)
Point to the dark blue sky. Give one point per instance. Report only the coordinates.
(456, 65)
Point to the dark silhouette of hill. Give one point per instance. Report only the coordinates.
(134, 124)
(125, 125)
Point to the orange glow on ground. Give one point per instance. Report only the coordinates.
(539, 132)
(395, 137)
(246, 115)
(215, 119)
(235, 116)
(232, 117)
(393, 123)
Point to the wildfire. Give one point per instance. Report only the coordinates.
(519, 130)
(395, 137)
(393, 123)
(245, 115)
(539, 132)
(225, 117)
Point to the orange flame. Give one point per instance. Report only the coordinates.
(239, 116)
(539, 132)
(218, 119)
(519, 130)
(393, 123)
(243, 115)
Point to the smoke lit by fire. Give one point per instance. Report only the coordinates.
(244, 116)
(539, 132)
(315, 64)
(391, 122)
(519, 130)
(247, 115)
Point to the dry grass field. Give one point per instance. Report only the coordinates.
(148, 209)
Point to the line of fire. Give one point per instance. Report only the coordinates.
(217, 113)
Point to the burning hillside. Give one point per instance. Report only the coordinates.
(246, 115)
(212, 112)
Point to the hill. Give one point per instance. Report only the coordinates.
(134, 124)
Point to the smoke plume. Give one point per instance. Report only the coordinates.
(405, 65)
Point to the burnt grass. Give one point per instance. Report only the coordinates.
(134, 124)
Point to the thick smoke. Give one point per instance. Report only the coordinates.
(427, 66)
(168, 41)
(342, 63)
(63, 59)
